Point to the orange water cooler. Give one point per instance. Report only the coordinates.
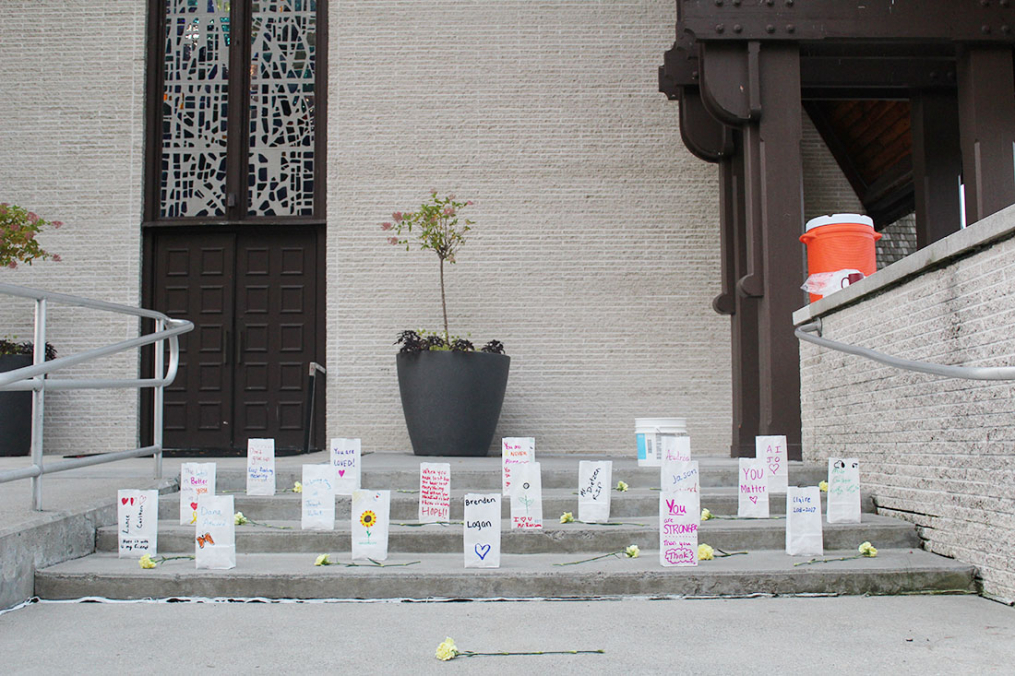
(840, 242)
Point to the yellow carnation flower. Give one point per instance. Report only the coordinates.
(622, 487)
(297, 487)
(632, 552)
(567, 517)
(823, 486)
(146, 562)
(706, 515)
(705, 553)
(322, 560)
(867, 549)
(447, 650)
(239, 519)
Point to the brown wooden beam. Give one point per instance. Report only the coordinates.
(979, 21)
(987, 129)
(937, 165)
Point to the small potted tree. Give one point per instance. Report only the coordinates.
(18, 228)
(451, 394)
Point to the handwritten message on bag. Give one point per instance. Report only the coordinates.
(595, 479)
(434, 492)
(137, 515)
(678, 529)
(843, 490)
(481, 533)
(772, 449)
(515, 451)
(370, 523)
(681, 476)
(260, 467)
(753, 493)
(318, 504)
(215, 539)
(196, 478)
(803, 521)
(346, 460)
(527, 498)
(675, 447)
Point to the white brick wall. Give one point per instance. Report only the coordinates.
(938, 452)
(71, 107)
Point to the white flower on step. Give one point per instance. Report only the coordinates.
(632, 552)
(868, 550)
(239, 519)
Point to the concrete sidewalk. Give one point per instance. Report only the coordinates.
(845, 635)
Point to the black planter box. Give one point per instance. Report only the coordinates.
(452, 400)
(15, 411)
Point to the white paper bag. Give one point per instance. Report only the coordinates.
(675, 447)
(318, 504)
(680, 476)
(370, 523)
(678, 529)
(515, 451)
(137, 515)
(772, 450)
(434, 492)
(843, 490)
(753, 482)
(803, 521)
(595, 480)
(482, 530)
(527, 498)
(260, 467)
(346, 459)
(215, 539)
(196, 478)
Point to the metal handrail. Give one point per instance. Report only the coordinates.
(804, 332)
(33, 378)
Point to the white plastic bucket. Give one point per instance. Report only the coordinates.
(650, 434)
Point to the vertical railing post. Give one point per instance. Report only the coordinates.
(38, 401)
(159, 346)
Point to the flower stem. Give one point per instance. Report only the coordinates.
(594, 558)
(469, 653)
(721, 553)
(444, 307)
(841, 558)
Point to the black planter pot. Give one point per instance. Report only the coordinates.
(452, 400)
(15, 411)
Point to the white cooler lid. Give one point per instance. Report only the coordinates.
(839, 218)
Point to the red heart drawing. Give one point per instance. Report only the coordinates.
(193, 505)
(123, 501)
(341, 472)
(754, 498)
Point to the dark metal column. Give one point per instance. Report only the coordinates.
(987, 129)
(937, 165)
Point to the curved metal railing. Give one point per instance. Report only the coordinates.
(34, 378)
(805, 331)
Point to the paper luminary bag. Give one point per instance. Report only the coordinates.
(515, 451)
(318, 497)
(260, 467)
(843, 490)
(678, 529)
(482, 530)
(137, 517)
(772, 450)
(680, 476)
(595, 479)
(753, 489)
(370, 523)
(434, 492)
(675, 447)
(803, 521)
(345, 458)
(196, 478)
(215, 537)
(527, 498)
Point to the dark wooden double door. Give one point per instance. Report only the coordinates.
(254, 297)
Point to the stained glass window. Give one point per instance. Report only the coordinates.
(195, 108)
(281, 179)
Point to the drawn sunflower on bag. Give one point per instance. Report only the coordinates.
(368, 519)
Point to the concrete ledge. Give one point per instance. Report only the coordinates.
(996, 227)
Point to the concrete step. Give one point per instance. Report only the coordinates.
(730, 535)
(395, 471)
(442, 576)
(556, 501)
